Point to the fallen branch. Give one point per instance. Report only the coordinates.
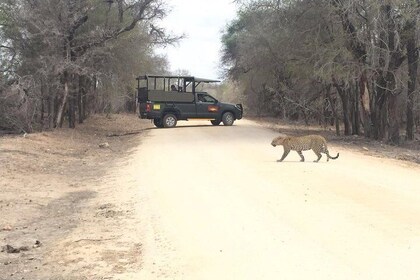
(95, 240)
(124, 133)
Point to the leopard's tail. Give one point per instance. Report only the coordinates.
(336, 157)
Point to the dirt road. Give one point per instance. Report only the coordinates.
(217, 205)
(203, 202)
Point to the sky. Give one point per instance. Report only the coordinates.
(202, 22)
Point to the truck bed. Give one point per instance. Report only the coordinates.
(164, 96)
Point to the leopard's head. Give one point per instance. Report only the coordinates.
(278, 140)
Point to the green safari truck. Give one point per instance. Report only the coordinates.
(168, 99)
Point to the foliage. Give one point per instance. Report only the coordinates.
(64, 59)
(295, 59)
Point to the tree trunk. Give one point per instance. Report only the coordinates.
(385, 110)
(395, 60)
(336, 118)
(394, 127)
(60, 111)
(51, 108)
(380, 110)
(355, 110)
(412, 57)
(71, 112)
(42, 113)
(49, 111)
(365, 99)
(345, 101)
(94, 95)
(346, 112)
(80, 105)
(71, 105)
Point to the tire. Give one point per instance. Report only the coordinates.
(169, 120)
(158, 123)
(215, 122)
(228, 118)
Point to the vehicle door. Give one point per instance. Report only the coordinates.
(207, 106)
(187, 109)
(184, 104)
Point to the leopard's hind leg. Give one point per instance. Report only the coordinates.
(302, 158)
(318, 154)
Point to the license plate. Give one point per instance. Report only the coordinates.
(156, 106)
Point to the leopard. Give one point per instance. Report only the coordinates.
(316, 143)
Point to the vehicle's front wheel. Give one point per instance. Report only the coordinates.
(228, 118)
(158, 123)
(215, 122)
(169, 120)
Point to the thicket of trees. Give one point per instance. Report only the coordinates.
(349, 61)
(65, 59)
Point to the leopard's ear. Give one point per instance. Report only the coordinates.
(287, 139)
(283, 138)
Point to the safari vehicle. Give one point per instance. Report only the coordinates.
(168, 99)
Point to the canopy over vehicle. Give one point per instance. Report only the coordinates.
(185, 78)
(157, 87)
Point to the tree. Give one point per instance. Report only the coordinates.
(65, 48)
(311, 51)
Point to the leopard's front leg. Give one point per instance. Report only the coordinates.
(285, 153)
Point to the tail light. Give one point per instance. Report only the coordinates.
(148, 107)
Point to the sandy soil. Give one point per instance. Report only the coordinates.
(58, 201)
(202, 202)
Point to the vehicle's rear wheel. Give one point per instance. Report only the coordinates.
(215, 122)
(169, 120)
(158, 123)
(228, 118)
